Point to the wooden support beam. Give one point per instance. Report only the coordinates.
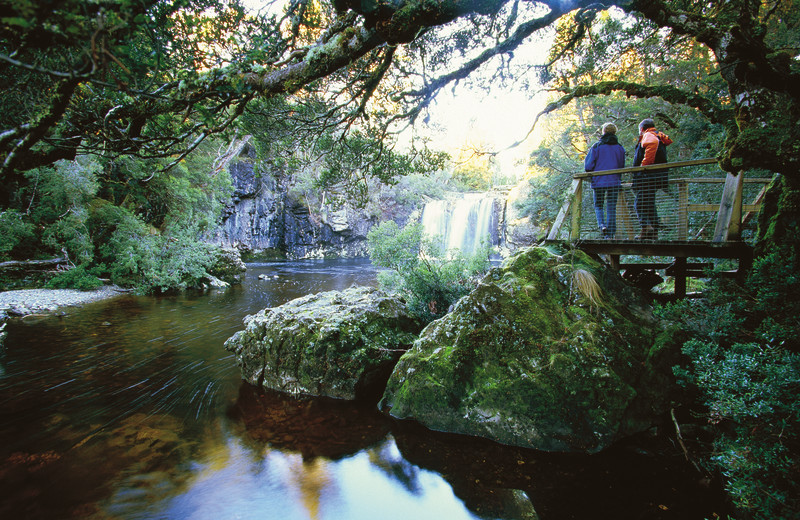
(729, 217)
(679, 273)
(751, 209)
(669, 249)
(562, 213)
(713, 207)
(575, 228)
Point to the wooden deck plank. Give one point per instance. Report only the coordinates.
(687, 249)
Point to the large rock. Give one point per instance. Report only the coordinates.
(228, 265)
(520, 229)
(336, 344)
(540, 357)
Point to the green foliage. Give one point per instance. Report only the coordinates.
(343, 166)
(65, 186)
(140, 256)
(414, 189)
(126, 219)
(17, 234)
(423, 275)
(775, 278)
(70, 235)
(743, 359)
(472, 177)
(752, 390)
(76, 278)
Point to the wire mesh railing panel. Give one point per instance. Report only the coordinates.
(680, 209)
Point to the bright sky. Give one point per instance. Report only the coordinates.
(499, 118)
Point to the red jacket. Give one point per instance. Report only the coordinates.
(649, 141)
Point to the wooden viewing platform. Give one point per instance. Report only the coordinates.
(702, 217)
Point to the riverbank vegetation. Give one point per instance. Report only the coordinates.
(113, 112)
(431, 280)
(121, 219)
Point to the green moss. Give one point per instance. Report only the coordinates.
(526, 360)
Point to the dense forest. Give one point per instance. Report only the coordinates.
(119, 118)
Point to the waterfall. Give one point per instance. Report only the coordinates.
(461, 223)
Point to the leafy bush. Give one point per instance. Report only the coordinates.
(752, 394)
(414, 189)
(472, 177)
(17, 233)
(76, 278)
(743, 361)
(775, 278)
(139, 255)
(429, 280)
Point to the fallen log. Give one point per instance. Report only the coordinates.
(31, 264)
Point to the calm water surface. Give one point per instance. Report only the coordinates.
(132, 409)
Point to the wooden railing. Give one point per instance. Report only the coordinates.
(682, 207)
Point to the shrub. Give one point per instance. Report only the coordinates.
(76, 278)
(140, 256)
(743, 361)
(751, 392)
(16, 235)
(424, 276)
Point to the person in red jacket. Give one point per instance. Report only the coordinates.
(650, 149)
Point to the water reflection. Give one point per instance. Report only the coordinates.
(132, 409)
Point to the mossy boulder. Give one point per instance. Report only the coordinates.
(228, 265)
(340, 344)
(539, 356)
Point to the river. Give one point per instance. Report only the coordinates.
(131, 409)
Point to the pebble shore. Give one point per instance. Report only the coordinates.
(36, 301)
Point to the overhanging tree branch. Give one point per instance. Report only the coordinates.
(712, 110)
(740, 48)
(506, 46)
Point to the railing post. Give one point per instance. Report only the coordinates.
(735, 227)
(729, 218)
(562, 214)
(575, 229)
(683, 210)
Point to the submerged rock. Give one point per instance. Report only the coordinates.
(335, 344)
(551, 351)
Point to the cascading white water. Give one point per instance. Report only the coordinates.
(460, 224)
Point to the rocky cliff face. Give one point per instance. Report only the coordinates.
(267, 215)
(264, 217)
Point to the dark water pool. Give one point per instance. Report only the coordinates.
(131, 409)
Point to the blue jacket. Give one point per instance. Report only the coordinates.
(605, 154)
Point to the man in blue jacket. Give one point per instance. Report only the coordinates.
(606, 154)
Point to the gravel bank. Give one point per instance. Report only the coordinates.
(37, 301)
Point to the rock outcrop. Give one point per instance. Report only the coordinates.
(266, 215)
(520, 229)
(335, 344)
(552, 351)
(228, 266)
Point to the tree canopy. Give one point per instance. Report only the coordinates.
(154, 78)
